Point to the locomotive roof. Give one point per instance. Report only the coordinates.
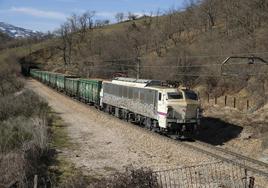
(149, 84)
(141, 82)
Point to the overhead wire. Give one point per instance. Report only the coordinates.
(120, 63)
(189, 56)
(191, 74)
(168, 66)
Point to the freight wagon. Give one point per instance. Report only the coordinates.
(89, 91)
(71, 86)
(34, 73)
(60, 80)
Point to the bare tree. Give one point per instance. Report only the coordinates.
(132, 16)
(86, 22)
(119, 17)
(66, 37)
(210, 9)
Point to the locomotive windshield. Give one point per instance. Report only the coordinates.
(175, 95)
(191, 95)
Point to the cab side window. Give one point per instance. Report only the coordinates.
(159, 96)
(180, 95)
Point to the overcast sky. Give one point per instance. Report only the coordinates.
(44, 15)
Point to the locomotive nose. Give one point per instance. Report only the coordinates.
(183, 111)
(191, 111)
(177, 111)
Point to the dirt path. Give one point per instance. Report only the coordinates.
(106, 144)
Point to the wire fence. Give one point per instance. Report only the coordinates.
(230, 101)
(211, 175)
(244, 104)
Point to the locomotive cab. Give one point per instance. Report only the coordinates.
(178, 110)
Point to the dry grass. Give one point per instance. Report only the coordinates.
(23, 144)
(24, 133)
(130, 178)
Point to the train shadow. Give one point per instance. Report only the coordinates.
(216, 131)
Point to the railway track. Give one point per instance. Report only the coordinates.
(252, 165)
(228, 156)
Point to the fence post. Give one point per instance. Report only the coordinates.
(247, 104)
(225, 101)
(234, 102)
(35, 181)
(215, 100)
(246, 178)
(208, 97)
(251, 182)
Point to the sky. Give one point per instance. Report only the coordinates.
(48, 15)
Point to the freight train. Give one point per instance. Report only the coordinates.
(148, 103)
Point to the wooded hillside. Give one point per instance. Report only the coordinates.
(187, 46)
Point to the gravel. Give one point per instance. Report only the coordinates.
(105, 144)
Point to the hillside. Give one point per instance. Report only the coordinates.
(186, 46)
(17, 32)
(4, 37)
(49, 138)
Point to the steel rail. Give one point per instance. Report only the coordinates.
(234, 158)
(197, 146)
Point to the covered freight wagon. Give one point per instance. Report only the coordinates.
(45, 77)
(60, 82)
(53, 79)
(71, 86)
(89, 90)
(39, 75)
(34, 73)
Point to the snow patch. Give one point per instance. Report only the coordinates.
(18, 35)
(13, 31)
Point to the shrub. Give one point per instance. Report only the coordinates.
(9, 82)
(13, 170)
(22, 133)
(131, 178)
(26, 104)
(23, 138)
(23, 143)
(76, 181)
(23, 129)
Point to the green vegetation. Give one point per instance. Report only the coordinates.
(60, 168)
(60, 138)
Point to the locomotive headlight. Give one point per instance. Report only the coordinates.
(170, 112)
(198, 112)
(183, 112)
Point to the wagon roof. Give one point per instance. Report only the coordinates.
(90, 80)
